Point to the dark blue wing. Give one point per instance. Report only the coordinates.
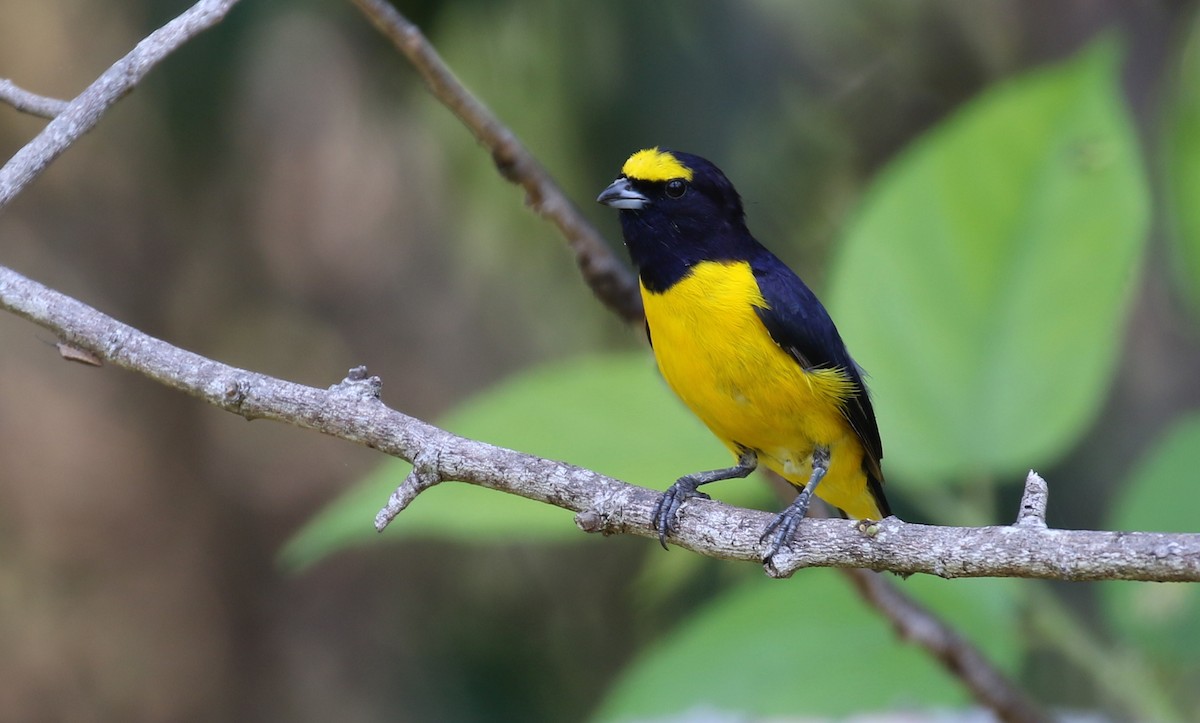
(800, 325)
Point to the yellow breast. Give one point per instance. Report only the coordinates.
(717, 355)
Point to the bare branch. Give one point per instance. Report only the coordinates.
(30, 103)
(607, 277)
(606, 504)
(84, 112)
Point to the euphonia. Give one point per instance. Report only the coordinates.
(745, 344)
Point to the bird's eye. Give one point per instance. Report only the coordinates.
(676, 188)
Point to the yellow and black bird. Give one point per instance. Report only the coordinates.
(745, 344)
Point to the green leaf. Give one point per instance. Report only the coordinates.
(1163, 618)
(987, 278)
(1182, 158)
(612, 414)
(771, 648)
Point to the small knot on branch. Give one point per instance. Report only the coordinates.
(358, 384)
(426, 473)
(590, 521)
(506, 164)
(867, 528)
(777, 571)
(233, 395)
(1032, 514)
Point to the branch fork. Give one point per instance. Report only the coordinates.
(426, 473)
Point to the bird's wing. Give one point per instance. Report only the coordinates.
(799, 324)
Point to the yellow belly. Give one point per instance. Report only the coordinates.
(717, 355)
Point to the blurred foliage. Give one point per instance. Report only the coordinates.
(1161, 621)
(976, 237)
(1182, 165)
(540, 104)
(812, 645)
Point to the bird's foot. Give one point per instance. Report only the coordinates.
(684, 489)
(670, 503)
(781, 531)
(783, 528)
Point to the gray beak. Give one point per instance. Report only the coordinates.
(621, 194)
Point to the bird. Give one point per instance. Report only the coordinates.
(746, 345)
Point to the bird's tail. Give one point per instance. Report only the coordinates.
(875, 487)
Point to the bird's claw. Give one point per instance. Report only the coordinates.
(670, 503)
(783, 528)
(781, 531)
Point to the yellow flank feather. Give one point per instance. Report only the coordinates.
(652, 164)
(720, 359)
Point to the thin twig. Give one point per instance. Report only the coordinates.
(606, 504)
(84, 112)
(1033, 502)
(31, 103)
(605, 275)
(426, 472)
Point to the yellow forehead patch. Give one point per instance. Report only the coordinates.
(652, 164)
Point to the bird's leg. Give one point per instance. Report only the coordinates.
(684, 489)
(783, 527)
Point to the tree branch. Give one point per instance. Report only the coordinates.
(605, 275)
(30, 103)
(84, 112)
(352, 411)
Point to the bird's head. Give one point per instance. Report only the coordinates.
(675, 185)
(676, 209)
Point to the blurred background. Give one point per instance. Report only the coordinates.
(284, 196)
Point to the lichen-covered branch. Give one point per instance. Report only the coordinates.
(352, 411)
